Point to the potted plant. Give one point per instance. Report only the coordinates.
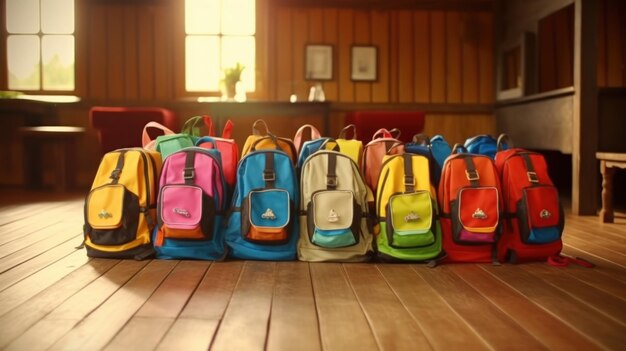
(232, 75)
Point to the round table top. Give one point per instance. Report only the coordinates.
(52, 130)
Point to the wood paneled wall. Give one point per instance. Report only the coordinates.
(611, 43)
(424, 56)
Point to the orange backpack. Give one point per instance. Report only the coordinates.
(471, 207)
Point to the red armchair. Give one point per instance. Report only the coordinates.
(368, 122)
(120, 127)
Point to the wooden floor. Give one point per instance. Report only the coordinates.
(53, 297)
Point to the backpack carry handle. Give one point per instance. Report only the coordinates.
(344, 132)
(206, 139)
(193, 125)
(458, 148)
(146, 141)
(421, 139)
(503, 140)
(297, 139)
(259, 123)
(269, 136)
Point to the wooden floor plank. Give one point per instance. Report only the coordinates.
(205, 309)
(392, 325)
(598, 278)
(37, 282)
(549, 330)
(584, 318)
(162, 308)
(19, 229)
(19, 319)
(245, 323)
(294, 318)
(606, 303)
(111, 316)
(67, 315)
(189, 334)
(498, 329)
(443, 328)
(343, 324)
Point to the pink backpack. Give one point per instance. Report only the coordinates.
(384, 142)
(190, 206)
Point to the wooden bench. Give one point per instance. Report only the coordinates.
(609, 161)
(62, 141)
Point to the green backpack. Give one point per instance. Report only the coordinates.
(406, 206)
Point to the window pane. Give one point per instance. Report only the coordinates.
(238, 17)
(22, 16)
(23, 62)
(57, 16)
(240, 49)
(57, 52)
(202, 16)
(202, 72)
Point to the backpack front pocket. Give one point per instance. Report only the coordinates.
(112, 215)
(333, 219)
(410, 220)
(266, 215)
(540, 215)
(185, 213)
(475, 215)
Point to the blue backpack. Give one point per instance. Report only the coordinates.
(262, 223)
(483, 144)
(421, 146)
(440, 149)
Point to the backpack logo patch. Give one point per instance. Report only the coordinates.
(411, 217)
(181, 211)
(333, 217)
(545, 214)
(104, 214)
(479, 214)
(269, 214)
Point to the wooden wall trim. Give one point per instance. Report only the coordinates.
(452, 5)
(585, 178)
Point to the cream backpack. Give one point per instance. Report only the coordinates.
(333, 210)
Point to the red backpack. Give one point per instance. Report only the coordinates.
(533, 212)
(471, 207)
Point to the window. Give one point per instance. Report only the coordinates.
(40, 45)
(219, 34)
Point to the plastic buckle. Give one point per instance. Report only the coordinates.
(189, 173)
(532, 177)
(115, 174)
(331, 181)
(472, 175)
(269, 176)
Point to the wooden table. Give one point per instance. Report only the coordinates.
(609, 161)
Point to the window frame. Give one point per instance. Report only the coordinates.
(4, 62)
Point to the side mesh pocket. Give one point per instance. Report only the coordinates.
(410, 220)
(112, 215)
(333, 219)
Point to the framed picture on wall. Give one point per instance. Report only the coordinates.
(319, 62)
(364, 63)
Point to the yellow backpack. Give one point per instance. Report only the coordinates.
(120, 209)
(262, 139)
